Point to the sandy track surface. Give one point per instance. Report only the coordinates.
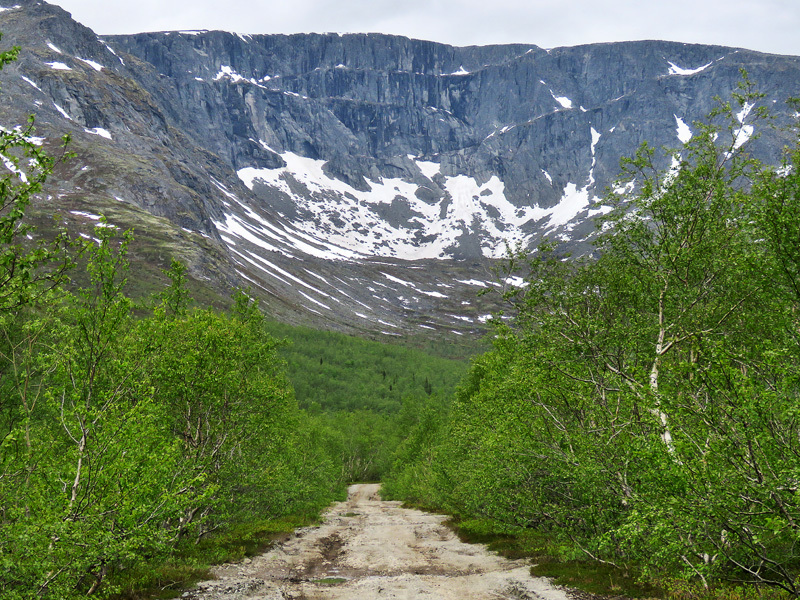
(370, 549)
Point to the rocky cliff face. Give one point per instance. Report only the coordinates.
(491, 144)
(365, 181)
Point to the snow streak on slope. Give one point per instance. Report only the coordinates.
(283, 261)
(676, 70)
(245, 224)
(391, 218)
(745, 132)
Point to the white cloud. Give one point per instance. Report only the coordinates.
(768, 25)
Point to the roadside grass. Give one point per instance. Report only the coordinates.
(686, 590)
(586, 575)
(591, 576)
(191, 562)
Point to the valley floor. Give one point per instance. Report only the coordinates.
(369, 548)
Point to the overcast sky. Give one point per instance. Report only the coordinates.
(765, 25)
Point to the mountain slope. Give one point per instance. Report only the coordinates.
(358, 182)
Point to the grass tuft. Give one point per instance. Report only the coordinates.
(331, 580)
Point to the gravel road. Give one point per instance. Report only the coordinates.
(370, 549)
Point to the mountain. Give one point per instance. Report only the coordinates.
(365, 183)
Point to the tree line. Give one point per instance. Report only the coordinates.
(331, 371)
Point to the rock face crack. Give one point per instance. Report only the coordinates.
(367, 548)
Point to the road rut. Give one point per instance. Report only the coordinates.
(370, 549)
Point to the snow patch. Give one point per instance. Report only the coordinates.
(110, 49)
(474, 282)
(88, 215)
(429, 169)
(742, 114)
(36, 141)
(683, 131)
(562, 100)
(62, 111)
(235, 227)
(398, 280)
(625, 188)
(291, 277)
(25, 79)
(601, 210)
(317, 302)
(461, 318)
(595, 138)
(99, 131)
(9, 164)
(95, 65)
(676, 70)
(745, 132)
(573, 202)
(58, 66)
(54, 48)
(226, 71)
(320, 277)
(90, 238)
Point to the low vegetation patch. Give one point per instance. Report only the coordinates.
(331, 580)
(548, 559)
(191, 562)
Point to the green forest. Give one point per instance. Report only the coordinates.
(636, 409)
(639, 410)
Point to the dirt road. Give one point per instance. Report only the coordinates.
(370, 549)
